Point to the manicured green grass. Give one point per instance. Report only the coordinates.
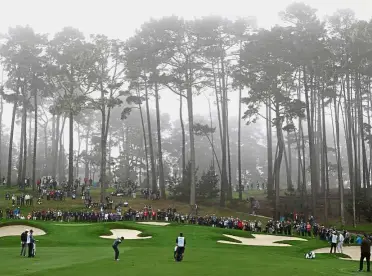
(69, 250)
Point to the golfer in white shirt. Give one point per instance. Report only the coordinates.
(340, 243)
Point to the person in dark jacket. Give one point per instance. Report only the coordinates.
(24, 243)
(365, 253)
(115, 247)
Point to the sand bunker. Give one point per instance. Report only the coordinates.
(259, 216)
(262, 240)
(17, 230)
(128, 234)
(154, 223)
(352, 251)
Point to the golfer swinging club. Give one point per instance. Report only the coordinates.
(115, 247)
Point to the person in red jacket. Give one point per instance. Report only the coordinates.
(240, 224)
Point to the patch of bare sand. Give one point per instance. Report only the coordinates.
(352, 251)
(128, 234)
(261, 240)
(155, 223)
(17, 230)
(259, 216)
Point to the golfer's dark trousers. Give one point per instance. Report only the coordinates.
(180, 250)
(333, 245)
(366, 256)
(23, 249)
(30, 247)
(116, 252)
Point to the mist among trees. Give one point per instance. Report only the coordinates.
(93, 107)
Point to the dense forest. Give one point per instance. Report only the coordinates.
(301, 121)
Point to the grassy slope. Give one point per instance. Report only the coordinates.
(137, 204)
(77, 250)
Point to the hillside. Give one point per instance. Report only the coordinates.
(241, 209)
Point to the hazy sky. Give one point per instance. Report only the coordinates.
(119, 18)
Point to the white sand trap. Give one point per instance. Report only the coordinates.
(17, 230)
(259, 216)
(262, 240)
(154, 223)
(128, 234)
(352, 251)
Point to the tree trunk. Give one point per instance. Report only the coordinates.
(366, 180)
(240, 129)
(287, 170)
(303, 147)
(319, 146)
(86, 170)
(189, 79)
(45, 169)
(339, 167)
(348, 138)
(29, 148)
(71, 151)
(160, 152)
(224, 177)
(145, 142)
(103, 148)
(152, 158)
(24, 166)
(61, 157)
(10, 154)
(109, 153)
(77, 171)
(313, 163)
(55, 150)
(278, 161)
(1, 137)
(289, 178)
(324, 162)
(54, 138)
(217, 103)
(230, 189)
(21, 151)
(35, 144)
(183, 157)
(240, 146)
(270, 183)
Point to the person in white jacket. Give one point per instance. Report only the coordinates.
(334, 238)
(340, 243)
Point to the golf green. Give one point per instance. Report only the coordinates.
(80, 251)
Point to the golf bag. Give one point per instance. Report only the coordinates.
(310, 255)
(34, 250)
(178, 254)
